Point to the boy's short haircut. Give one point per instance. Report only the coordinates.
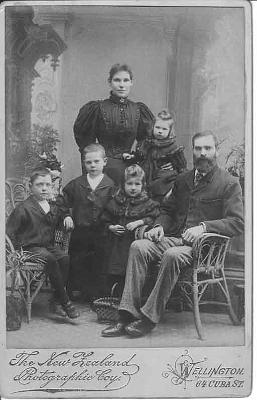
(38, 172)
(93, 148)
(134, 171)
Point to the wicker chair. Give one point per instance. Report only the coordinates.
(32, 274)
(207, 270)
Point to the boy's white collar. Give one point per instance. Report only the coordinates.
(95, 178)
(94, 182)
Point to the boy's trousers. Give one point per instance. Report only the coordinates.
(87, 256)
(57, 268)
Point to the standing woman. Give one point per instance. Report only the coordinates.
(117, 122)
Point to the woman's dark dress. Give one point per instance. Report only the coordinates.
(115, 123)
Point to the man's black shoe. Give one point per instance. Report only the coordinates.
(139, 328)
(114, 330)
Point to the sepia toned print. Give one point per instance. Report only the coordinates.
(128, 199)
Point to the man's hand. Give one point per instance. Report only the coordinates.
(131, 226)
(68, 223)
(117, 229)
(193, 233)
(155, 234)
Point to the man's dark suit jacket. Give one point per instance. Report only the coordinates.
(216, 201)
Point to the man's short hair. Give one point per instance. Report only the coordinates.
(202, 134)
(93, 148)
(38, 172)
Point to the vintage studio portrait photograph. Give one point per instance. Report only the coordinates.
(128, 170)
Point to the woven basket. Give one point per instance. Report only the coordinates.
(107, 307)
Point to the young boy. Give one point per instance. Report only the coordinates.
(87, 196)
(32, 225)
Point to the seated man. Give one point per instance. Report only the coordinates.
(205, 199)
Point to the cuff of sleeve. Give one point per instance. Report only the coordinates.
(140, 231)
(204, 226)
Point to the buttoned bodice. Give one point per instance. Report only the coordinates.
(114, 122)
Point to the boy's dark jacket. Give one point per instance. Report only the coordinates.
(121, 210)
(87, 204)
(29, 226)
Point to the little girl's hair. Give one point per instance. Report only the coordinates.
(135, 171)
(165, 115)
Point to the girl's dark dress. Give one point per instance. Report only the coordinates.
(115, 123)
(156, 153)
(120, 211)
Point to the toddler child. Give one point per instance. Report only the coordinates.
(129, 209)
(87, 196)
(160, 156)
(32, 225)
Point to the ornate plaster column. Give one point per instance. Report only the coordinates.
(26, 43)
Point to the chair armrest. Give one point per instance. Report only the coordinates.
(62, 239)
(207, 238)
(209, 250)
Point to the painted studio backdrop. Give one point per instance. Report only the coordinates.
(187, 59)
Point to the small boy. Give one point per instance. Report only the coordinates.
(87, 196)
(32, 225)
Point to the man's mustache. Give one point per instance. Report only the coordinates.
(203, 159)
(204, 162)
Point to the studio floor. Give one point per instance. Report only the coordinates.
(176, 329)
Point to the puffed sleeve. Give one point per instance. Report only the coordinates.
(145, 123)
(85, 126)
(152, 211)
